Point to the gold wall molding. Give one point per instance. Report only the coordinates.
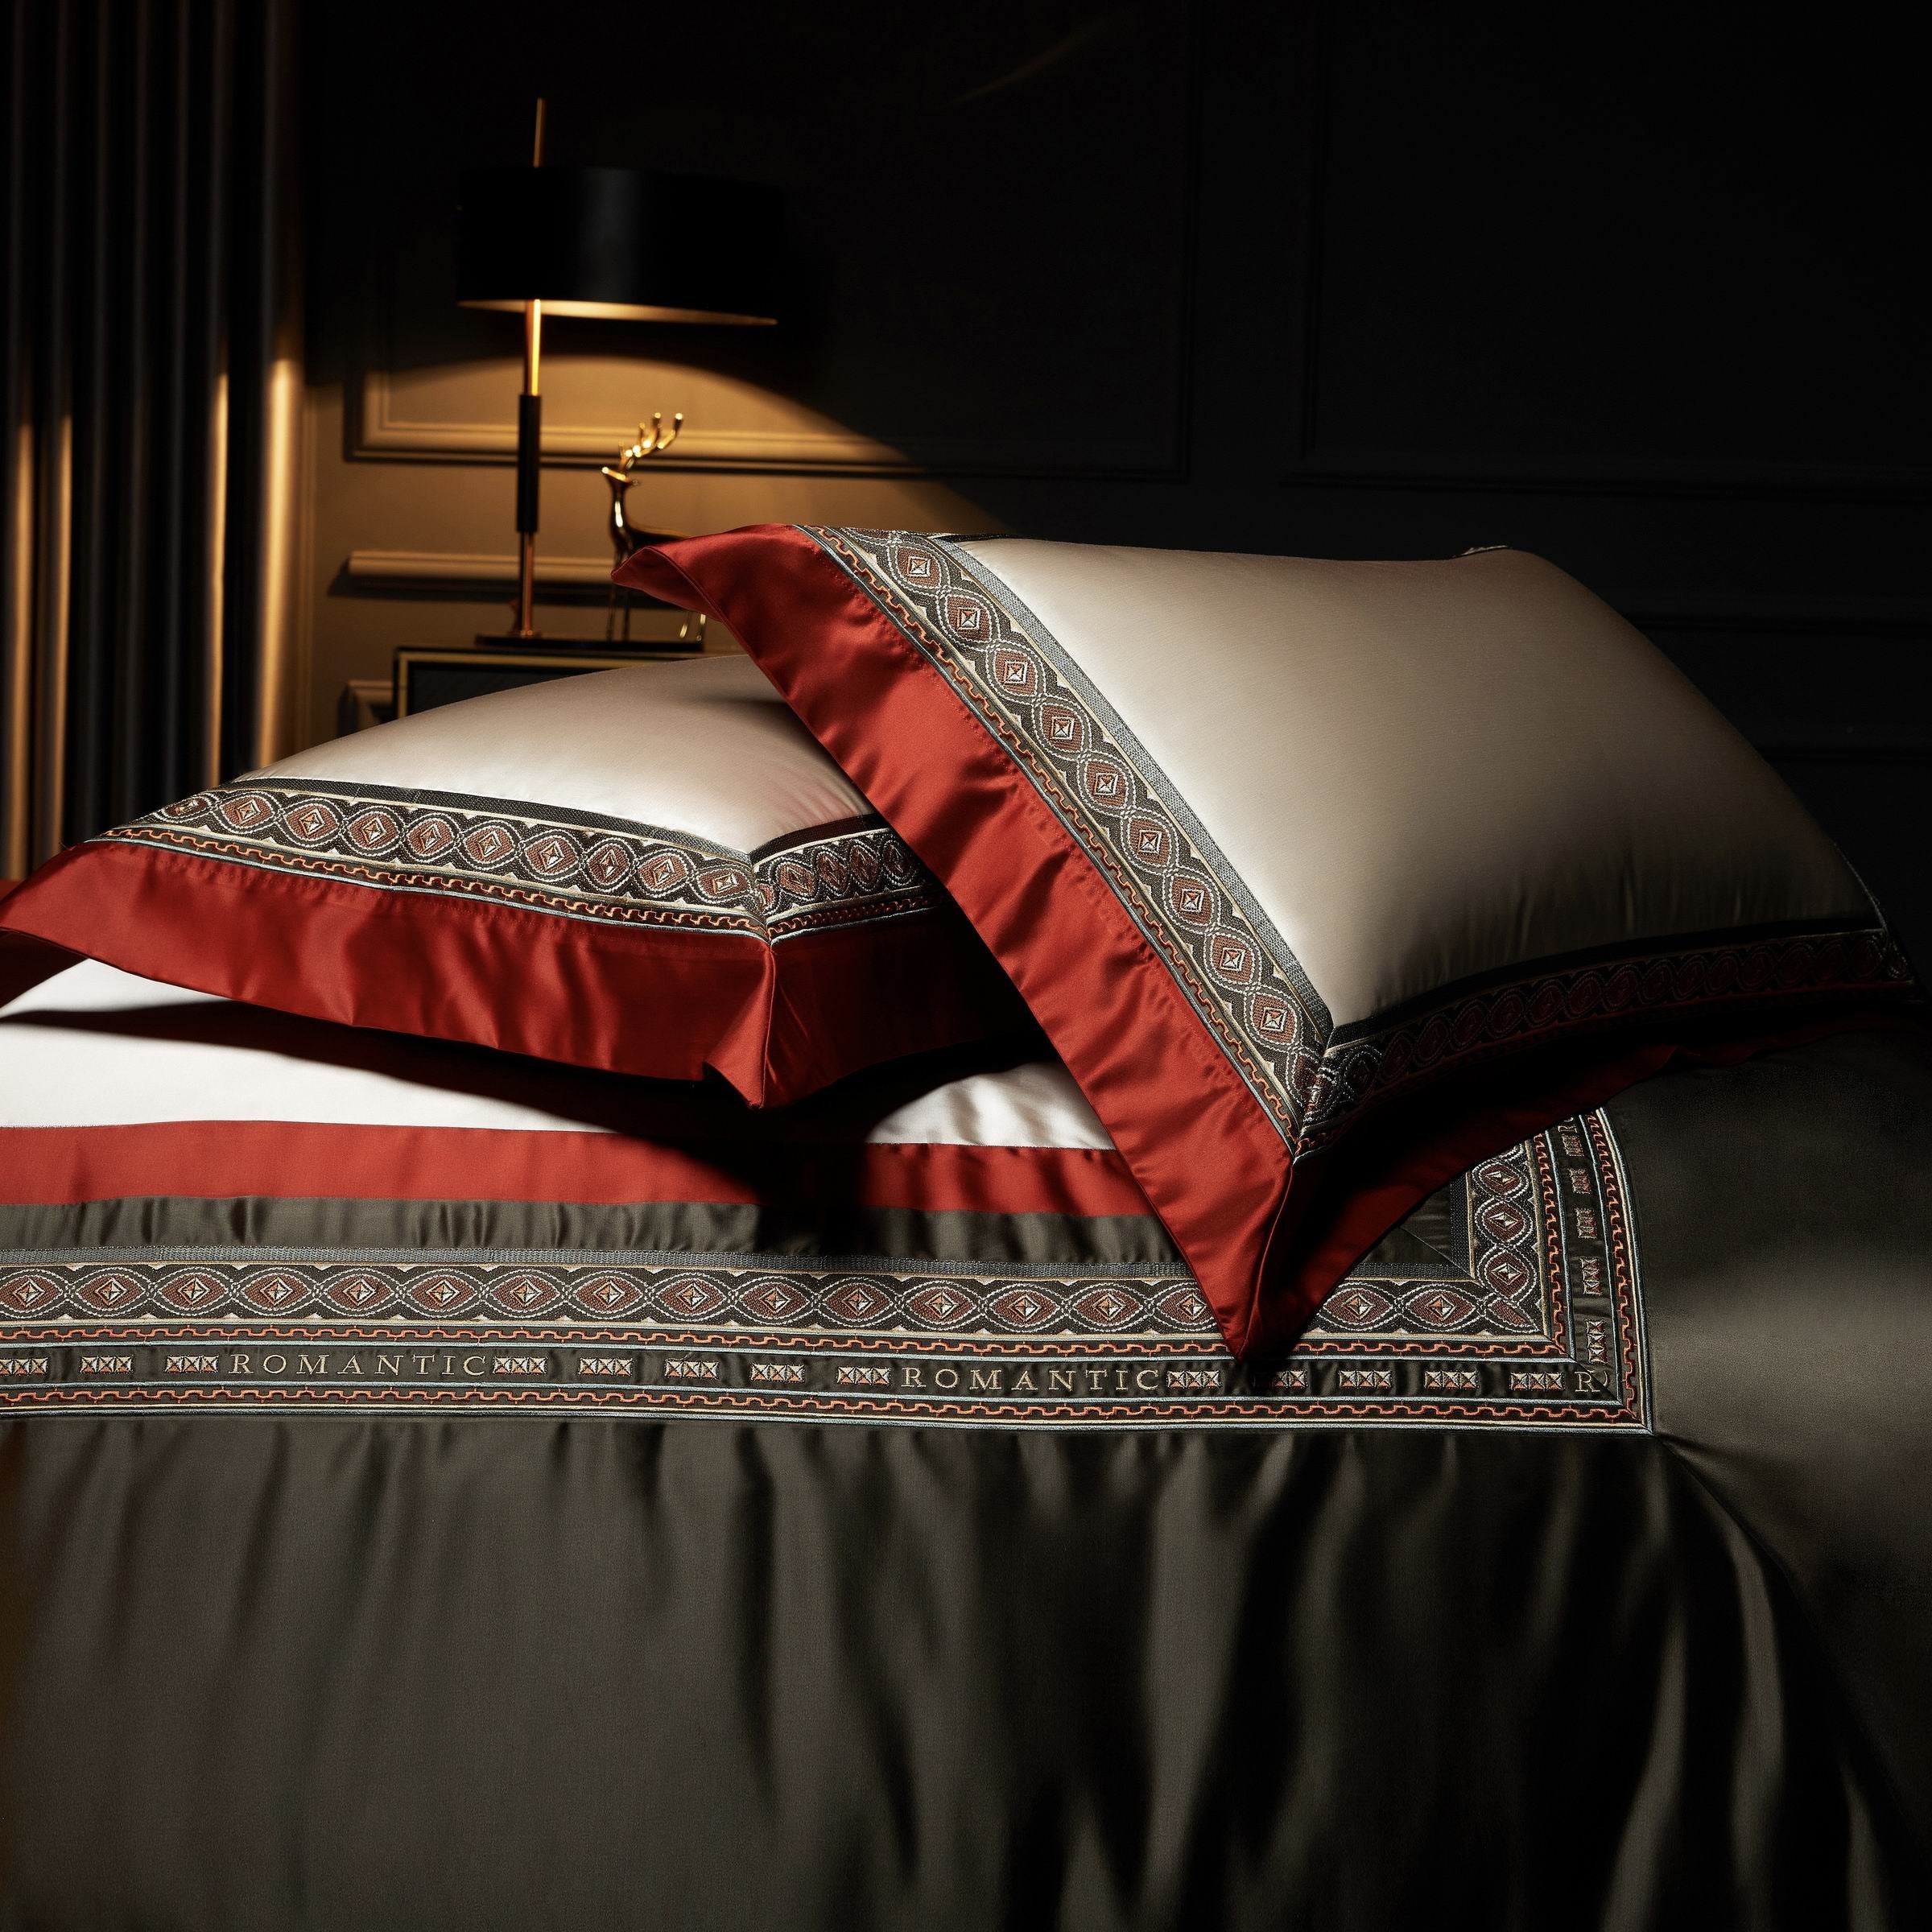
(383, 431)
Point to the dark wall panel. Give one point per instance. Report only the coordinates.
(1350, 279)
(1672, 250)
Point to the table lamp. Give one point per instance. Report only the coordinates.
(615, 242)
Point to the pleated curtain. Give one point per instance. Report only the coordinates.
(153, 396)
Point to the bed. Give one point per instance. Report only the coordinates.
(697, 1408)
(865, 1523)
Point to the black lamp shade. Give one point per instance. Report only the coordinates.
(619, 242)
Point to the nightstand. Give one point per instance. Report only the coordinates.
(426, 678)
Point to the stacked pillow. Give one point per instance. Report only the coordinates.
(652, 870)
(1324, 879)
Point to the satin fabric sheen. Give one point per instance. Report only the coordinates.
(1426, 772)
(180, 1094)
(705, 745)
(94, 1047)
(514, 1671)
(223, 1158)
(580, 1674)
(1788, 1272)
(776, 1022)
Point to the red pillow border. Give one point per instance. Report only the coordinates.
(534, 929)
(885, 644)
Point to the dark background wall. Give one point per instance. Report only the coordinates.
(1357, 279)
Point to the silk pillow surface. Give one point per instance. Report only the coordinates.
(1325, 879)
(652, 870)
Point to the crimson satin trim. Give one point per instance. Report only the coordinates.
(626, 1000)
(1214, 1169)
(314, 1160)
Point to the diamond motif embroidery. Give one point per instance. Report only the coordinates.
(477, 849)
(1414, 1340)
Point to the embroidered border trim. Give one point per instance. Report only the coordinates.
(1188, 903)
(1237, 973)
(1537, 1323)
(581, 866)
(1362, 1064)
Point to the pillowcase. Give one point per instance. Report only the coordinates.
(652, 870)
(1325, 879)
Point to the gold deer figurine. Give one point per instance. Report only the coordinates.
(653, 440)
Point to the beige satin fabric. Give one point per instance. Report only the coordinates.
(1425, 771)
(95, 1048)
(707, 747)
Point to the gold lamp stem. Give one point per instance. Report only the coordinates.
(529, 441)
(530, 411)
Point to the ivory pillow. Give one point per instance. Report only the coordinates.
(1325, 878)
(653, 870)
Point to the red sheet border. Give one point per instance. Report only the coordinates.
(294, 1160)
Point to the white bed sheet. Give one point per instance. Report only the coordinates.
(73, 1053)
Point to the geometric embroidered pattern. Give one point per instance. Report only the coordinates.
(1365, 1061)
(582, 865)
(1187, 902)
(1237, 973)
(1528, 1313)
